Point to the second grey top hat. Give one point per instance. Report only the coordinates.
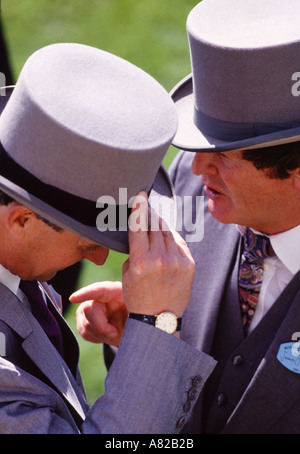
(80, 124)
(242, 92)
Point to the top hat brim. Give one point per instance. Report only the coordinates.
(161, 199)
(189, 137)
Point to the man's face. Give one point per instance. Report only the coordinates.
(239, 193)
(44, 252)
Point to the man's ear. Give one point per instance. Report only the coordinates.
(18, 218)
(297, 178)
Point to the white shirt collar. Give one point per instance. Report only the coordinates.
(286, 246)
(10, 280)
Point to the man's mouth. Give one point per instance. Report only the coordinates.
(212, 192)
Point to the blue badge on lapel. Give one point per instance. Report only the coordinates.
(289, 356)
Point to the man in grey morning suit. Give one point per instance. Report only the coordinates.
(239, 112)
(67, 138)
(243, 122)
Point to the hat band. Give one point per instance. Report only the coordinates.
(233, 131)
(78, 208)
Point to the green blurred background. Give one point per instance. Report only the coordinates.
(148, 33)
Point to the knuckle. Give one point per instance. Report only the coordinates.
(176, 264)
(149, 264)
(159, 262)
(137, 268)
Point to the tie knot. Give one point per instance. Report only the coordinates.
(257, 247)
(31, 289)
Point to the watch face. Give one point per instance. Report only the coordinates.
(166, 322)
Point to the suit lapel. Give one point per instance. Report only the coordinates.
(47, 359)
(45, 356)
(220, 254)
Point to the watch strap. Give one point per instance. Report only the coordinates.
(151, 319)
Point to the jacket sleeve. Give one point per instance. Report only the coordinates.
(152, 377)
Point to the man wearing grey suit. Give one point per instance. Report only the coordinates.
(239, 113)
(240, 117)
(70, 139)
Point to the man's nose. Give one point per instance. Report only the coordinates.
(204, 163)
(97, 255)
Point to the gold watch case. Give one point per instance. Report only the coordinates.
(166, 321)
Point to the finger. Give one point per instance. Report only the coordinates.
(171, 244)
(138, 225)
(156, 234)
(181, 245)
(93, 325)
(90, 335)
(100, 291)
(175, 244)
(125, 266)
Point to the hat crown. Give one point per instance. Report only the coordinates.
(240, 25)
(87, 122)
(245, 85)
(242, 65)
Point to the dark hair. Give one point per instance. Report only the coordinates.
(278, 161)
(5, 200)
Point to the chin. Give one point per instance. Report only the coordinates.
(221, 215)
(46, 277)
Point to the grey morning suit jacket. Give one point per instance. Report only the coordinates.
(146, 388)
(249, 391)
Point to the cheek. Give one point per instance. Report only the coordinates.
(253, 195)
(242, 185)
(233, 185)
(239, 197)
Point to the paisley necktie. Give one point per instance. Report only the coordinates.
(256, 249)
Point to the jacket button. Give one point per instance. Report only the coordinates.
(196, 381)
(221, 399)
(238, 360)
(192, 394)
(180, 423)
(187, 406)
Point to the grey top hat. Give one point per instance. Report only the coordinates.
(80, 125)
(243, 90)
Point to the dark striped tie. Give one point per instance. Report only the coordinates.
(41, 312)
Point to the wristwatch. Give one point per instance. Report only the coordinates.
(166, 321)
